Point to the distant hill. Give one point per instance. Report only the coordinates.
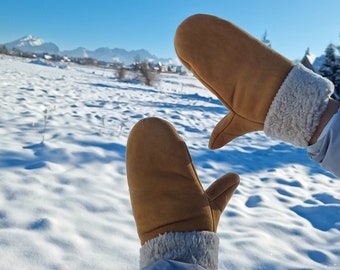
(32, 44)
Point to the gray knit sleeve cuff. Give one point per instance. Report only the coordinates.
(190, 247)
(298, 106)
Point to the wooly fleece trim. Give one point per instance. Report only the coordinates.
(298, 106)
(189, 247)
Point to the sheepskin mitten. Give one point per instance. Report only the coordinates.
(176, 218)
(246, 75)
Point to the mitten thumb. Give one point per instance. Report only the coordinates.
(230, 127)
(219, 193)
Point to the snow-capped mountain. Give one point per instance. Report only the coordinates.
(111, 55)
(33, 44)
(80, 52)
(121, 55)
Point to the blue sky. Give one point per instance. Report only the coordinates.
(292, 26)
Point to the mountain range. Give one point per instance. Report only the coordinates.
(32, 44)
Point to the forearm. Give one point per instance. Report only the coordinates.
(326, 149)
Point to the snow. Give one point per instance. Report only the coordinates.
(64, 201)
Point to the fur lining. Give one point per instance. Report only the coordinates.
(298, 106)
(190, 247)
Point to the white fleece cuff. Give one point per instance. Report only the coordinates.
(199, 247)
(297, 107)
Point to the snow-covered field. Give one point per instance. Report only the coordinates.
(64, 201)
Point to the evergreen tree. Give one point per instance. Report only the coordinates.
(3, 49)
(337, 83)
(265, 40)
(330, 68)
(327, 68)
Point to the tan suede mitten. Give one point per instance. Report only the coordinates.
(166, 193)
(262, 89)
(175, 217)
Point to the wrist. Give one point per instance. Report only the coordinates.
(332, 108)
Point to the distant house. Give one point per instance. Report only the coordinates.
(308, 60)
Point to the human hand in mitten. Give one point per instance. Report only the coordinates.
(261, 89)
(166, 193)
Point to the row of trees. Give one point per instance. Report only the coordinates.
(330, 68)
(51, 57)
(142, 72)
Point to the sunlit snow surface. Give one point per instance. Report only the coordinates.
(64, 201)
